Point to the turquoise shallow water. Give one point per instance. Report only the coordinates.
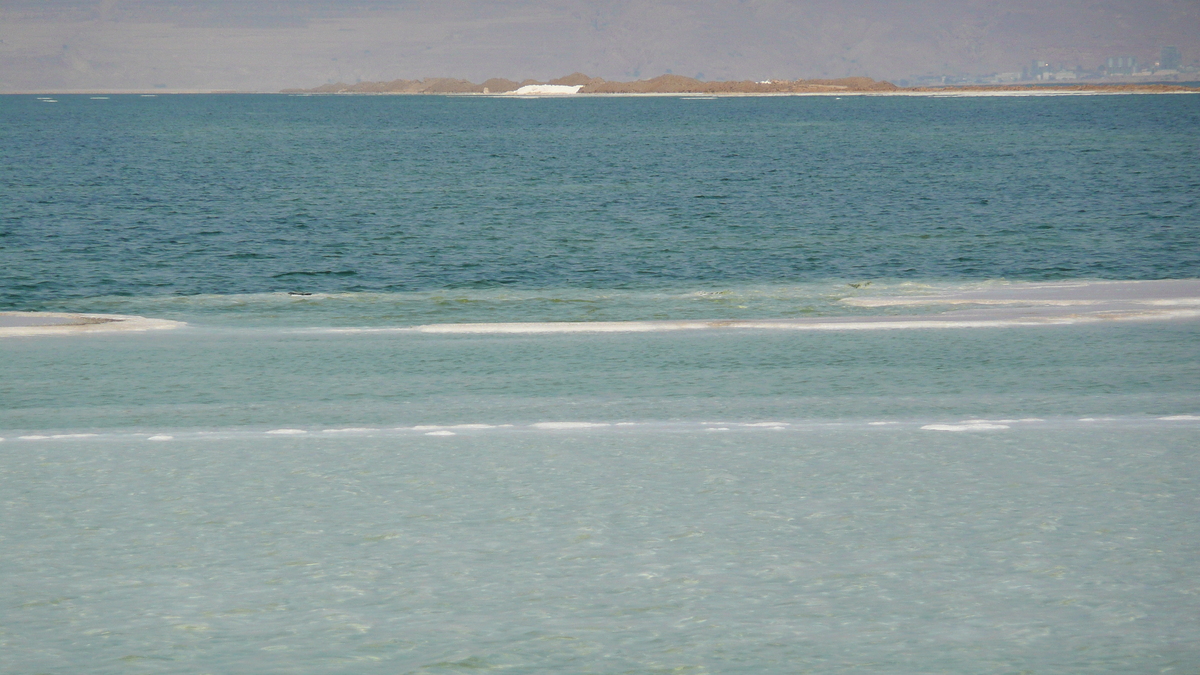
(232, 378)
(270, 489)
(1048, 549)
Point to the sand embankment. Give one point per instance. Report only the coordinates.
(678, 84)
(25, 324)
(1100, 88)
(664, 84)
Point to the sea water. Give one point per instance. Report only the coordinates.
(296, 481)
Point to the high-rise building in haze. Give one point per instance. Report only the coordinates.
(1120, 65)
(1170, 58)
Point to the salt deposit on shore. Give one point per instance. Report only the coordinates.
(547, 90)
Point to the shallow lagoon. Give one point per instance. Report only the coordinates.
(739, 501)
(1055, 547)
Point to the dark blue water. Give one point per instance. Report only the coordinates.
(183, 195)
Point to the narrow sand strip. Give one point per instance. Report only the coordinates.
(26, 324)
(1041, 304)
(975, 319)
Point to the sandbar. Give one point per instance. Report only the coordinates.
(26, 324)
(997, 306)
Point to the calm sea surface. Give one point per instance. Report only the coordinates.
(287, 485)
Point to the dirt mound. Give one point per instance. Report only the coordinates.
(499, 85)
(446, 85)
(575, 79)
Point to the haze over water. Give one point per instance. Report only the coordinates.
(306, 483)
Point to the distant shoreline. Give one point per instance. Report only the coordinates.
(676, 85)
(665, 86)
(909, 93)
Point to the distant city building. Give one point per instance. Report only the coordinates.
(1036, 70)
(1121, 65)
(1170, 58)
(1043, 71)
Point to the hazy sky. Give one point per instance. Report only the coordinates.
(266, 45)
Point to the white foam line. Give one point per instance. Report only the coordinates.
(352, 331)
(972, 424)
(54, 437)
(965, 427)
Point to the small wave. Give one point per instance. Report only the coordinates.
(317, 273)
